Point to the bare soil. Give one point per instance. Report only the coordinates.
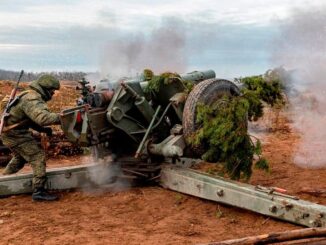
(153, 215)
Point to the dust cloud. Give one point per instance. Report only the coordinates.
(163, 49)
(106, 176)
(302, 47)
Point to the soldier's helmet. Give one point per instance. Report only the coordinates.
(49, 82)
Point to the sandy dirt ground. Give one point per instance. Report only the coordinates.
(153, 215)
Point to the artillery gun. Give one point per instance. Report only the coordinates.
(143, 127)
(147, 134)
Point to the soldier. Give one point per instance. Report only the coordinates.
(31, 111)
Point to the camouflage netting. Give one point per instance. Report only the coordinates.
(224, 132)
(224, 126)
(155, 82)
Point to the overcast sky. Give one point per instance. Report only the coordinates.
(114, 36)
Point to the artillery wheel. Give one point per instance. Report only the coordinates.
(206, 92)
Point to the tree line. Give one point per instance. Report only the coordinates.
(31, 76)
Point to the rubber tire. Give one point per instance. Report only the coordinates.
(206, 92)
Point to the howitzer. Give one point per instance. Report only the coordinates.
(12, 101)
(146, 129)
(131, 120)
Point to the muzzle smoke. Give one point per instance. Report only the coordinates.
(302, 47)
(161, 50)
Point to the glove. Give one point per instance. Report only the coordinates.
(47, 131)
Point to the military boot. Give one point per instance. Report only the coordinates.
(40, 194)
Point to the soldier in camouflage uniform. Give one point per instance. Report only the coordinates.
(31, 112)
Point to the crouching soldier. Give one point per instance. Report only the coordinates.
(31, 111)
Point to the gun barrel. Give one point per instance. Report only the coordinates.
(198, 76)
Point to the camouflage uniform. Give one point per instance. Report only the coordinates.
(30, 112)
